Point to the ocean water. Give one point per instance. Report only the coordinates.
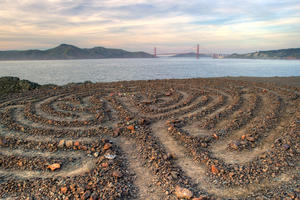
(107, 70)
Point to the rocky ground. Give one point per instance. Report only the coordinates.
(162, 139)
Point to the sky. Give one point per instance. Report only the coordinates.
(218, 26)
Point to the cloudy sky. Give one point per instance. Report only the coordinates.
(223, 26)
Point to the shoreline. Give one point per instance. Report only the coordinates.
(279, 80)
(289, 81)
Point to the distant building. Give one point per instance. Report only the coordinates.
(218, 56)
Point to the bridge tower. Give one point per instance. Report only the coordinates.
(198, 53)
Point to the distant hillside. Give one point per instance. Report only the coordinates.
(273, 54)
(66, 52)
(191, 54)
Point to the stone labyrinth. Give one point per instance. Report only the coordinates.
(163, 139)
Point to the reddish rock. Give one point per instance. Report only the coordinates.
(183, 193)
(216, 136)
(20, 163)
(61, 143)
(131, 127)
(84, 148)
(214, 169)
(54, 166)
(72, 187)
(107, 146)
(64, 190)
(104, 164)
(76, 144)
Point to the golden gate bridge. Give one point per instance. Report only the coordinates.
(156, 53)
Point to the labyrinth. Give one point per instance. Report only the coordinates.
(160, 139)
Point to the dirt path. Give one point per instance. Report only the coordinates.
(73, 169)
(143, 176)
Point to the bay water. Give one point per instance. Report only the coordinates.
(61, 72)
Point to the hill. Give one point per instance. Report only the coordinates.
(13, 84)
(272, 54)
(191, 54)
(67, 52)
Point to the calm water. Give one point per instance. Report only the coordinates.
(106, 70)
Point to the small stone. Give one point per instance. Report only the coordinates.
(251, 139)
(64, 190)
(170, 128)
(61, 143)
(183, 193)
(107, 146)
(104, 164)
(117, 174)
(216, 136)
(76, 144)
(96, 154)
(86, 195)
(54, 166)
(72, 187)
(110, 157)
(234, 145)
(131, 127)
(69, 143)
(243, 137)
(20, 163)
(214, 169)
(286, 146)
(84, 148)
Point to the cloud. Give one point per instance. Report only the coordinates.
(236, 25)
